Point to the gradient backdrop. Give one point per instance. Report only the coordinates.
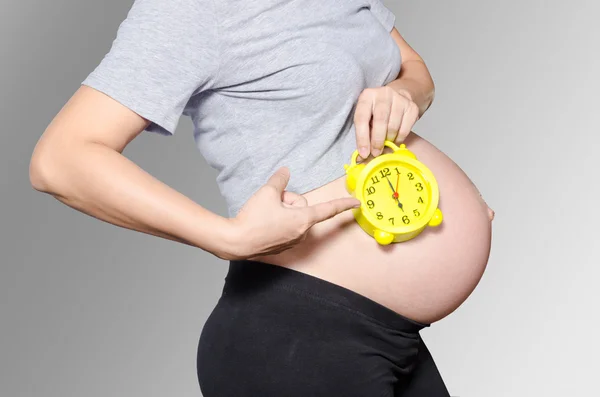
(88, 309)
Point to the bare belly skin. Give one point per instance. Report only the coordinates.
(424, 279)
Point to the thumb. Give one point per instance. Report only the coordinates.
(322, 211)
(279, 179)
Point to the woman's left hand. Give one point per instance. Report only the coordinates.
(393, 115)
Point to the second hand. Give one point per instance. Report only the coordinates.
(395, 195)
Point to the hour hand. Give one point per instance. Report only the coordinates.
(399, 204)
(395, 195)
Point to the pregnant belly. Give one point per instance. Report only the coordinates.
(426, 278)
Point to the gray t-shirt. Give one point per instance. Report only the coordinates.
(266, 83)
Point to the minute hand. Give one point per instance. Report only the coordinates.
(395, 195)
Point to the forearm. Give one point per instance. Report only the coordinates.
(415, 82)
(103, 183)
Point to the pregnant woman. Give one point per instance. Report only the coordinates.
(281, 94)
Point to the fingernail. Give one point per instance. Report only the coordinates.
(364, 152)
(376, 152)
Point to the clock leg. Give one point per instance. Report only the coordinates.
(383, 238)
(437, 218)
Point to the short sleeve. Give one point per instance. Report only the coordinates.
(164, 52)
(383, 14)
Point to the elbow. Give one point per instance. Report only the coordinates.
(40, 174)
(45, 166)
(430, 96)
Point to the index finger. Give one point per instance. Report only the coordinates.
(322, 211)
(362, 118)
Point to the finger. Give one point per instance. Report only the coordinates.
(409, 119)
(279, 179)
(396, 115)
(381, 118)
(322, 211)
(294, 199)
(362, 117)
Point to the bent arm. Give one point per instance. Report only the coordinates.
(414, 79)
(79, 161)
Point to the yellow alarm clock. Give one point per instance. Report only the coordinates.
(399, 195)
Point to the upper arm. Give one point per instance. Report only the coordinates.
(92, 116)
(89, 116)
(164, 52)
(388, 19)
(408, 53)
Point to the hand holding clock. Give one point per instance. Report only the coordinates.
(393, 115)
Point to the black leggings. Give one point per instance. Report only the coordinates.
(277, 332)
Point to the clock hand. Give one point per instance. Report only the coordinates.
(399, 204)
(390, 183)
(395, 195)
(396, 192)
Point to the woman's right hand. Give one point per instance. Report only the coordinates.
(274, 220)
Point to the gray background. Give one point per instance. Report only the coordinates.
(88, 309)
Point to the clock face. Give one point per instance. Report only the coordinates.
(396, 195)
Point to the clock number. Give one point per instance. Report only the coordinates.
(374, 179)
(405, 219)
(419, 187)
(410, 176)
(416, 212)
(371, 204)
(371, 190)
(384, 172)
(420, 200)
(379, 215)
(391, 220)
(397, 171)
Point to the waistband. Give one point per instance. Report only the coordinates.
(244, 274)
